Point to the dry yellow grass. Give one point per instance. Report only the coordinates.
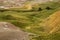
(51, 24)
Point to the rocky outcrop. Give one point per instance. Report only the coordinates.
(10, 32)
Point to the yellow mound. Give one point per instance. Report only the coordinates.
(52, 23)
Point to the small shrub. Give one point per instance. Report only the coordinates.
(1, 10)
(48, 8)
(40, 9)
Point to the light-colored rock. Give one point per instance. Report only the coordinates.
(10, 32)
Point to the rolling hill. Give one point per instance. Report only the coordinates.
(41, 22)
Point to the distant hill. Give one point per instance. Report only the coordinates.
(21, 3)
(18, 2)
